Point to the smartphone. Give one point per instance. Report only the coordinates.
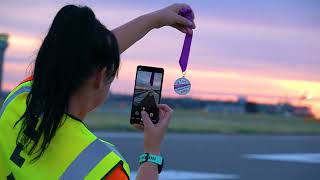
(147, 93)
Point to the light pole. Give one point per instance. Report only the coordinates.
(3, 47)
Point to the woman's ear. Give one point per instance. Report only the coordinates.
(100, 78)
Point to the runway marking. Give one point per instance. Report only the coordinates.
(185, 175)
(289, 157)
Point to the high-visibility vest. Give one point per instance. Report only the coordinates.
(74, 152)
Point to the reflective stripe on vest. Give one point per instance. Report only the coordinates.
(87, 160)
(11, 97)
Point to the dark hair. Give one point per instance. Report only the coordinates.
(76, 45)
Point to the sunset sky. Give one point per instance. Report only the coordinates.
(268, 51)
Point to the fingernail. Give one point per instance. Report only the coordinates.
(190, 23)
(143, 113)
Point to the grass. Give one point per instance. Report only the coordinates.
(198, 121)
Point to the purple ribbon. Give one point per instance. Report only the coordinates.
(151, 79)
(187, 13)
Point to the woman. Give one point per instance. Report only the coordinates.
(42, 134)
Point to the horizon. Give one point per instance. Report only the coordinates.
(266, 51)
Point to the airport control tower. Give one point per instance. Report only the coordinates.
(3, 47)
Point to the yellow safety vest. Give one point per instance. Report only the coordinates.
(74, 151)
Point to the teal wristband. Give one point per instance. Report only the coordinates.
(147, 157)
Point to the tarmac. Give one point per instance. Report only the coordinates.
(219, 156)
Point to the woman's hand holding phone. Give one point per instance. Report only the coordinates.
(154, 133)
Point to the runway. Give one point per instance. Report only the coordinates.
(216, 156)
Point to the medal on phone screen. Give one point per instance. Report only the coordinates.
(182, 85)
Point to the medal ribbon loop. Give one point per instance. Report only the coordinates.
(187, 13)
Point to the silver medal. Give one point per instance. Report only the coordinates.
(182, 86)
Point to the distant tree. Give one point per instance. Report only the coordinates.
(251, 107)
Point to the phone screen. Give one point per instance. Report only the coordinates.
(147, 93)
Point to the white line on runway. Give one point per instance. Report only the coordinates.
(185, 175)
(289, 157)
